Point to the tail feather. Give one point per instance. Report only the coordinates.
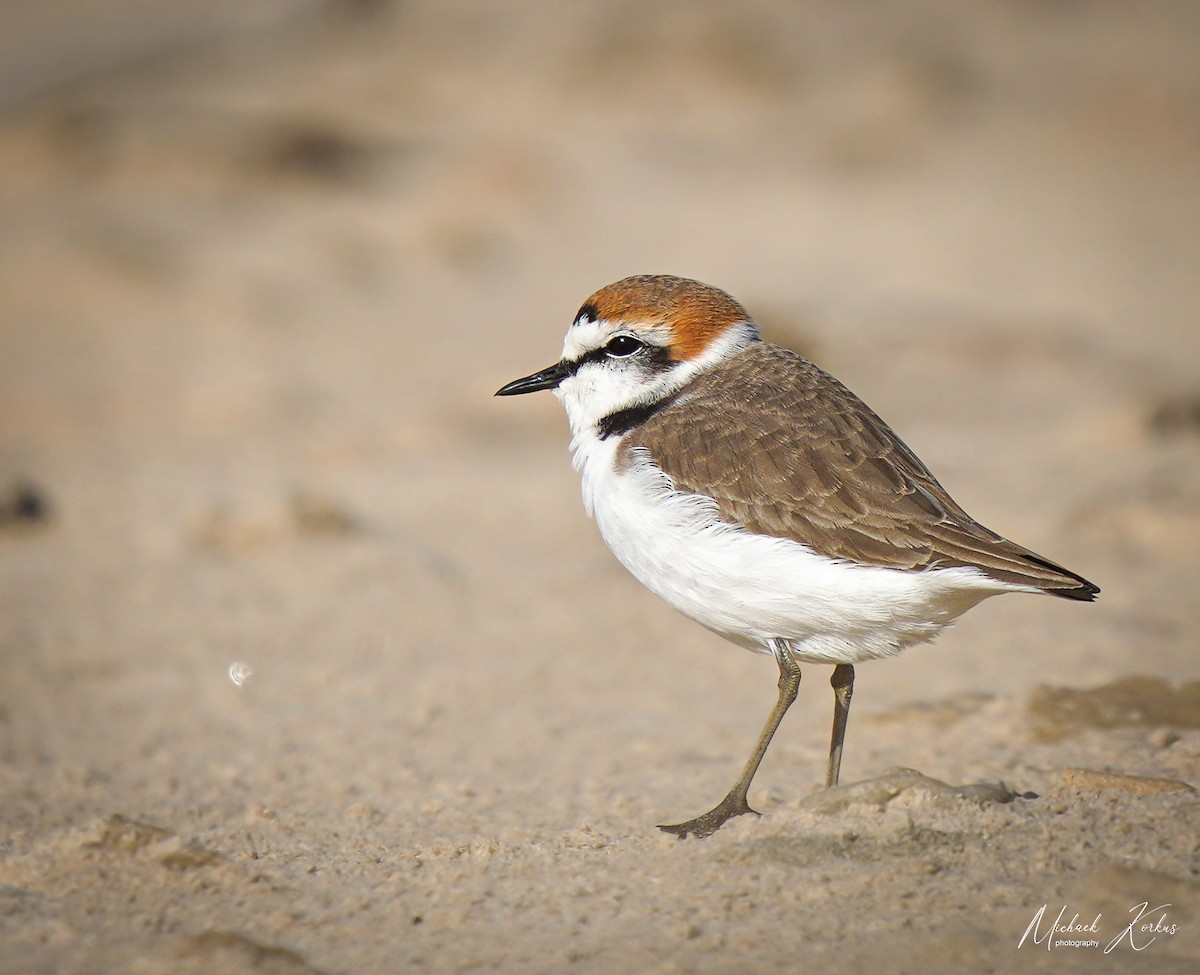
(973, 545)
(1073, 586)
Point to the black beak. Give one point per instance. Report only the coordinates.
(548, 378)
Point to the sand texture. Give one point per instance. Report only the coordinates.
(312, 661)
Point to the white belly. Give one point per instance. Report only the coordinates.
(754, 588)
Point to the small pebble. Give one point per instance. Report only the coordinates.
(1162, 738)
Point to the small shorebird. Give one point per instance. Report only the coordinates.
(759, 496)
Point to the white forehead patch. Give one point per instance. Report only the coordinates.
(587, 335)
(584, 336)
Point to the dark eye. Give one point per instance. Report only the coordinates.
(623, 345)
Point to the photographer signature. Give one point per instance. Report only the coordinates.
(1141, 932)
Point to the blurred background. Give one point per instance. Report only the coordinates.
(262, 266)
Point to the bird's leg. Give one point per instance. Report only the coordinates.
(842, 683)
(735, 803)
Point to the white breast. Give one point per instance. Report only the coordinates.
(754, 588)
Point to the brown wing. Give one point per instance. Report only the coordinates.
(838, 479)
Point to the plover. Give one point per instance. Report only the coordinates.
(756, 494)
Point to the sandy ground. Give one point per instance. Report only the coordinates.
(256, 292)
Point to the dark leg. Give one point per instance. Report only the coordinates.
(842, 683)
(735, 804)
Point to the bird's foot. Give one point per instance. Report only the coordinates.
(732, 805)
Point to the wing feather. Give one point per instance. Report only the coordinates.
(822, 469)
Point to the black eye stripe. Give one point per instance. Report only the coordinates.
(657, 357)
(595, 355)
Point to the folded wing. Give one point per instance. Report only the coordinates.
(824, 470)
